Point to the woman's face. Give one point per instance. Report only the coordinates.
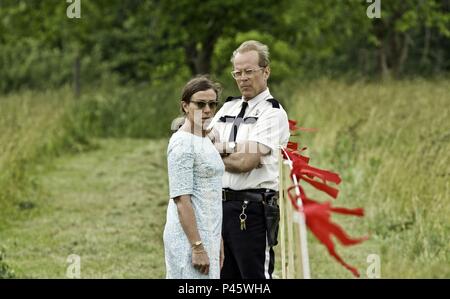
(197, 112)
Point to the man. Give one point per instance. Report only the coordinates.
(251, 128)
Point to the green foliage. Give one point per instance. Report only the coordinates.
(140, 41)
(196, 26)
(135, 111)
(28, 64)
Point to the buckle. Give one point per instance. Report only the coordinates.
(224, 195)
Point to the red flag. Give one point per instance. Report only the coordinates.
(318, 215)
(293, 127)
(292, 146)
(293, 155)
(303, 171)
(318, 220)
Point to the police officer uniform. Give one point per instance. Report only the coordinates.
(245, 195)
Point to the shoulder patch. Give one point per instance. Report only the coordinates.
(231, 99)
(275, 103)
(227, 119)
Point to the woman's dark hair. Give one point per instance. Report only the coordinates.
(199, 83)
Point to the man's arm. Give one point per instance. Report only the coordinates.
(246, 157)
(265, 136)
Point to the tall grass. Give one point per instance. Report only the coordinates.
(144, 111)
(391, 144)
(37, 126)
(28, 124)
(31, 131)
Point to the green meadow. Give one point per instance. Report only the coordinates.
(88, 176)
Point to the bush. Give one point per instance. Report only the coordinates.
(144, 111)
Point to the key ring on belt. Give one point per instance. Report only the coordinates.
(243, 216)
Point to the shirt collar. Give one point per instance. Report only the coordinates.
(259, 98)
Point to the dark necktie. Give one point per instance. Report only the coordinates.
(237, 122)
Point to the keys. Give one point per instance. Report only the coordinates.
(243, 216)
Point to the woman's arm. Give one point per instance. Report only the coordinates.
(186, 214)
(222, 254)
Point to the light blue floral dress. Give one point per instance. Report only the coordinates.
(196, 168)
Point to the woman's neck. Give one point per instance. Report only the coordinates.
(190, 128)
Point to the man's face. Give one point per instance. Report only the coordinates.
(250, 85)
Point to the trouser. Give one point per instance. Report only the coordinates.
(247, 254)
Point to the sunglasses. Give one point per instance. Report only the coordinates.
(202, 104)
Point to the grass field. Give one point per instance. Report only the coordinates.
(390, 142)
(106, 205)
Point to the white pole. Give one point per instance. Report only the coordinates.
(282, 217)
(301, 224)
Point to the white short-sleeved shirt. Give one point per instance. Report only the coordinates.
(265, 122)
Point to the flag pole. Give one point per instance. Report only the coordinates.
(282, 216)
(301, 223)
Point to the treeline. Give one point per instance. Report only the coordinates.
(154, 40)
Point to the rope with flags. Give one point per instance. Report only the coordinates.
(314, 215)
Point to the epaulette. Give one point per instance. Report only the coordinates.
(231, 99)
(275, 103)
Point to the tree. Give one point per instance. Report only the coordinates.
(340, 36)
(196, 26)
(402, 26)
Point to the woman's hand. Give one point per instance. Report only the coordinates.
(200, 260)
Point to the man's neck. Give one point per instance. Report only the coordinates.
(248, 100)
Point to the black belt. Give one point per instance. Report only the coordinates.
(256, 195)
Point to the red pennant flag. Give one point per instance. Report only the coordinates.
(293, 155)
(293, 127)
(292, 146)
(318, 215)
(318, 220)
(303, 171)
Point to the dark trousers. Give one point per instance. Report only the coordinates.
(246, 252)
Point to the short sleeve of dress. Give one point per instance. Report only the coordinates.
(180, 165)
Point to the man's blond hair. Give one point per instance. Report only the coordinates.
(253, 45)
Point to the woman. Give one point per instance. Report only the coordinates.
(192, 234)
